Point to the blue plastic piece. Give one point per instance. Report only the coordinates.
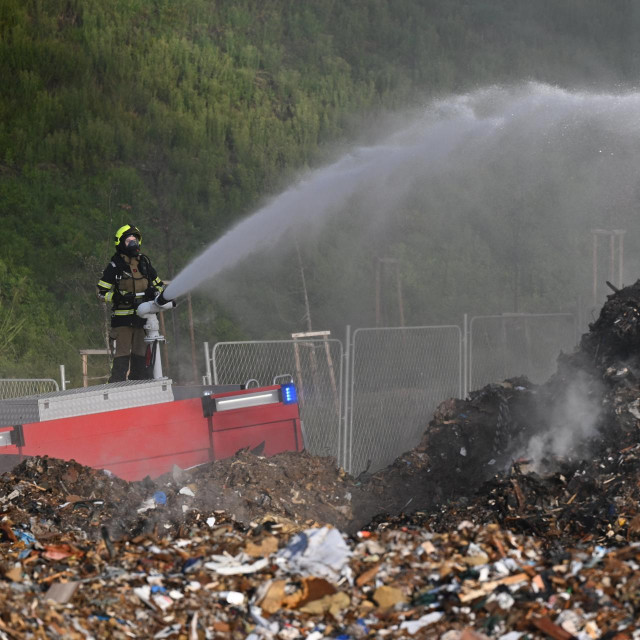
(160, 497)
(191, 564)
(361, 622)
(289, 393)
(25, 536)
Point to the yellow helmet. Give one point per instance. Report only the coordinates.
(124, 232)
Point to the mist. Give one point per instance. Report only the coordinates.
(380, 175)
(485, 199)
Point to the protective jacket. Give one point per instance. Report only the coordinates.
(125, 283)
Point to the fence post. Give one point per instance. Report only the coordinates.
(346, 462)
(465, 356)
(470, 355)
(85, 369)
(296, 354)
(63, 381)
(207, 361)
(213, 364)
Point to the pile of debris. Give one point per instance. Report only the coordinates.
(516, 517)
(589, 408)
(452, 573)
(296, 490)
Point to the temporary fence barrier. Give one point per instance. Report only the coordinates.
(367, 403)
(20, 387)
(509, 345)
(399, 376)
(314, 365)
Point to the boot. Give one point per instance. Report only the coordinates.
(119, 368)
(139, 370)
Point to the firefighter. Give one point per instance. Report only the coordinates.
(128, 280)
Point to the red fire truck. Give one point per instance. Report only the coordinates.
(140, 428)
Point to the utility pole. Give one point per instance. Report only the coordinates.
(616, 250)
(385, 269)
(192, 338)
(307, 308)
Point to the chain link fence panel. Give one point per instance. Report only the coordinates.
(511, 345)
(315, 366)
(398, 378)
(21, 387)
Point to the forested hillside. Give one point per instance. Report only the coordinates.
(181, 116)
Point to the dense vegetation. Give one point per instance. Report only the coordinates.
(182, 115)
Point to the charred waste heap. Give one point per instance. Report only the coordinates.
(515, 452)
(588, 406)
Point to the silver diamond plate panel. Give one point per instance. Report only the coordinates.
(85, 401)
(19, 411)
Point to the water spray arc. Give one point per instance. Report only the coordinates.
(366, 170)
(554, 157)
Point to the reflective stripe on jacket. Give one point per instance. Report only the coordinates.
(124, 275)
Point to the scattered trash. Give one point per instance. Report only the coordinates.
(413, 626)
(318, 552)
(231, 566)
(62, 592)
(498, 545)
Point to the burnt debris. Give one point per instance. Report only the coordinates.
(517, 516)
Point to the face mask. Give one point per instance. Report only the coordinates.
(132, 248)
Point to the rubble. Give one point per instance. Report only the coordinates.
(516, 517)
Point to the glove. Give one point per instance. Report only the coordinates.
(150, 293)
(128, 298)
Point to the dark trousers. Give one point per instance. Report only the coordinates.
(129, 350)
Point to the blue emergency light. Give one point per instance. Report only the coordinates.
(289, 393)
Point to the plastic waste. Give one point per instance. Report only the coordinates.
(232, 597)
(413, 626)
(319, 552)
(229, 565)
(256, 614)
(25, 536)
(158, 498)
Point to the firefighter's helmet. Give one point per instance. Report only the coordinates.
(124, 232)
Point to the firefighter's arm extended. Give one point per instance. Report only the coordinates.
(156, 285)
